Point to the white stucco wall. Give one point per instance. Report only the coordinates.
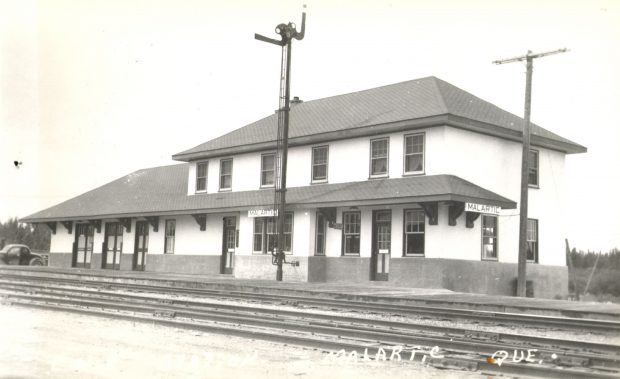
(62, 241)
(486, 161)
(349, 160)
(495, 164)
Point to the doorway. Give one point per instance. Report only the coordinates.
(83, 246)
(381, 244)
(141, 245)
(229, 239)
(112, 246)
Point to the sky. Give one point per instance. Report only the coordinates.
(92, 91)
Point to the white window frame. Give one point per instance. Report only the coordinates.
(345, 233)
(405, 154)
(222, 174)
(314, 164)
(386, 157)
(266, 234)
(205, 177)
(320, 233)
(533, 169)
(417, 232)
(495, 238)
(263, 170)
(532, 236)
(167, 237)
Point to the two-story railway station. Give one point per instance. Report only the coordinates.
(414, 183)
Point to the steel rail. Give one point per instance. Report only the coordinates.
(517, 339)
(395, 335)
(311, 339)
(500, 318)
(229, 283)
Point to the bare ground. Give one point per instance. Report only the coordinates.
(50, 344)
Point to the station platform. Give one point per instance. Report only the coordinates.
(369, 292)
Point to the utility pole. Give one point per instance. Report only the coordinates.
(287, 32)
(571, 271)
(529, 59)
(585, 291)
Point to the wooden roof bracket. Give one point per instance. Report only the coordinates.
(68, 225)
(470, 217)
(201, 219)
(455, 210)
(126, 222)
(329, 214)
(432, 212)
(154, 222)
(96, 224)
(52, 226)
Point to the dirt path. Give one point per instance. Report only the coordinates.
(49, 344)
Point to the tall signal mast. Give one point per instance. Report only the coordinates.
(287, 32)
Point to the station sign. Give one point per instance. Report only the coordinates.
(482, 208)
(335, 225)
(262, 212)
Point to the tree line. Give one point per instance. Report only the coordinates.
(610, 260)
(603, 280)
(36, 237)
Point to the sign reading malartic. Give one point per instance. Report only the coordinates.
(262, 212)
(482, 208)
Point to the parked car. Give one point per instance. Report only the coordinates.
(14, 254)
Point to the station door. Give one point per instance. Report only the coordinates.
(141, 245)
(229, 238)
(112, 246)
(83, 246)
(381, 245)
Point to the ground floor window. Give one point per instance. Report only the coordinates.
(320, 234)
(414, 232)
(266, 234)
(489, 237)
(351, 233)
(169, 238)
(532, 240)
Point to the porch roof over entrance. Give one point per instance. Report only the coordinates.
(163, 191)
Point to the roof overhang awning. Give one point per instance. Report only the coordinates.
(419, 189)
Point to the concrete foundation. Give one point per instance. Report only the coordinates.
(185, 264)
(62, 260)
(260, 267)
(493, 278)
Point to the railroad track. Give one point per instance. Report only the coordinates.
(229, 284)
(459, 348)
(437, 313)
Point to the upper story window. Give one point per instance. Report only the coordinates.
(532, 240)
(351, 222)
(532, 177)
(319, 163)
(267, 170)
(379, 149)
(226, 167)
(414, 153)
(201, 176)
(489, 237)
(169, 237)
(414, 232)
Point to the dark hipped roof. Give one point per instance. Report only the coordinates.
(424, 102)
(163, 190)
